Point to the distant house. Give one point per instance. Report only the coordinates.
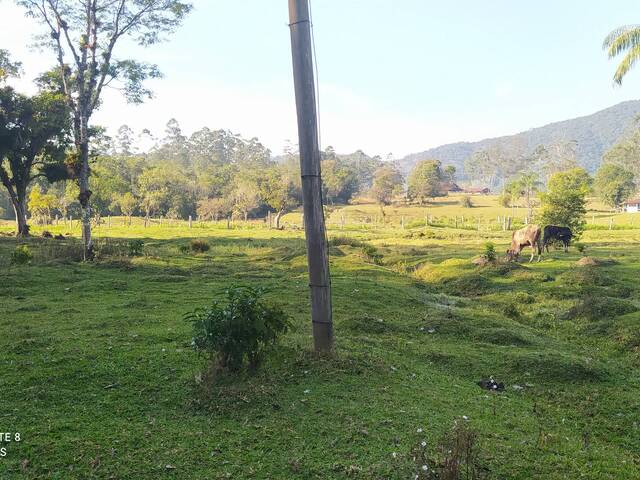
(477, 190)
(632, 206)
(446, 187)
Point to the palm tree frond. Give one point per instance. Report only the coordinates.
(622, 39)
(615, 34)
(626, 64)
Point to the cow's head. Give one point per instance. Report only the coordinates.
(512, 255)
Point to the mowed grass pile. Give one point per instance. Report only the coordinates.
(99, 377)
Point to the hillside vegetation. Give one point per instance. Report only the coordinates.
(594, 134)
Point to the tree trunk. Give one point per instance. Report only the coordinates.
(84, 196)
(20, 208)
(278, 217)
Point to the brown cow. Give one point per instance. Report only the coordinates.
(529, 236)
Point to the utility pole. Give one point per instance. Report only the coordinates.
(317, 254)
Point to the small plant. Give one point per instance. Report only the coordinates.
(466, 202)
(135, 247)
(581, 247)
(371, 253)
(456, 457)
(21, 255)
(199, 246)
(184, 248)
(239, 331)
(489, 251)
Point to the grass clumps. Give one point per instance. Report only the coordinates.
(502, 336)
(455, 457)
(596, 308)
(239, 332)
(559, 367)
(199, 246)
(370, 325)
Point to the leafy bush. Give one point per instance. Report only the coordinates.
(489, 251)
(505, 200)
(135, 247)
(581, 247)
(239, 331)
(466, 202)
(184, 248)
(21, 255)
(199, 246)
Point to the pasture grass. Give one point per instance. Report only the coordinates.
(99, 377)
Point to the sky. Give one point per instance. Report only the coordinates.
(395, 76)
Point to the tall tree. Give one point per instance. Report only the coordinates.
(41, 204)
(124, 141)
(424, 180)
(564, 202)
(279, 192)
(387, 182)
(527, 185)
(246, 197)
(87, 32)
(625, 39)
(614, 184)
(33, 137)
(450, 173)
(127, 204)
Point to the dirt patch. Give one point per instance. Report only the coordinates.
(587, 261)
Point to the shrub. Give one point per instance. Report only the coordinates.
(135, 247)
(505, 200)
(199, 246)
(489, 251)
(184, 248)
(21, 255)
(371, 253)
(581, 247)
(239, 331)
(466, 202)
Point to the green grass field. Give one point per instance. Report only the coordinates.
(99, 377)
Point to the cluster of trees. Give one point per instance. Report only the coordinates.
(211, 174)
(498, 163)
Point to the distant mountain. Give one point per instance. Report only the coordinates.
(594, 133)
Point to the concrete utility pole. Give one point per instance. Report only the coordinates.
(317, 254)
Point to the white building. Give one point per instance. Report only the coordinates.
(632, 206)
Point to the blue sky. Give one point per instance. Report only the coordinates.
(396, 76)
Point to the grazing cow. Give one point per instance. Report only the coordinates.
(528, 236)
(553, 233)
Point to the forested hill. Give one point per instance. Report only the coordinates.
(594, 135)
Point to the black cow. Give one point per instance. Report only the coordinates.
(553, 233)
